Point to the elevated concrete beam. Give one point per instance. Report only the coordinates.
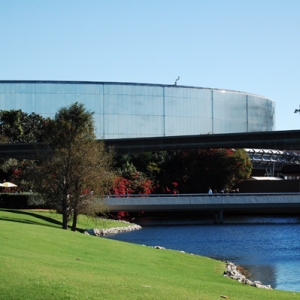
(281, 140)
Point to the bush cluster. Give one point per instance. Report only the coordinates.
(22, 201)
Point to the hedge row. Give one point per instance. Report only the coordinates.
(22, 201)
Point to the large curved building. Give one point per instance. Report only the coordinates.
(128, 110)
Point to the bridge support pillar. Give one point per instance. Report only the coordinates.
(219, 216)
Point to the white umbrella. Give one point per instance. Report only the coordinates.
(8, 184)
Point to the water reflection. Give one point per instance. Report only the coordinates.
(265, 273)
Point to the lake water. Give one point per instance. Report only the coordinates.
(267, 246)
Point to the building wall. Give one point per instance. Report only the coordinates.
(127, 110)
(269, 186)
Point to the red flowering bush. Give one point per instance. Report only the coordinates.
(131, 181)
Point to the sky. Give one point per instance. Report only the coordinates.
(251, 46)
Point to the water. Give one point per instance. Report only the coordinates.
(267, 246)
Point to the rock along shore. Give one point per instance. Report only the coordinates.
(233, 272)
(111, 231)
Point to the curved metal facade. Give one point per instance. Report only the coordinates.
(128, 110)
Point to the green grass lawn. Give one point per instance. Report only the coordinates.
(52, 219)
(38, 260)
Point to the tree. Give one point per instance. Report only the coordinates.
(194, 171)
(131, 181)
(148, 163)
(217, 168)
(19, 127)
(79, 169)
(137, 172)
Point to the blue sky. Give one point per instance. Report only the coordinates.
(245, 45)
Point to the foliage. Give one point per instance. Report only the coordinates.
(131, 181)
(19, 127)
(9, 168)
(194, 171)
(36, 201)
(17, 171)
(182, 171)
(137, 173)
(21, 200)
(149, 163)
(79, 169)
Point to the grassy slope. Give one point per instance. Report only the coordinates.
(52, 219)
(40, 261)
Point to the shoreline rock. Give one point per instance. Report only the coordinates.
(111, 231)
(233, 273)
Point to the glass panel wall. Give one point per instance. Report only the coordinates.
(261, 112)
(188, 111)
(229, 112)
(124, 110)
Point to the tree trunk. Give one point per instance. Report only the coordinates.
(75, 214)
(65, 213)
(65, 221)
(75, 210)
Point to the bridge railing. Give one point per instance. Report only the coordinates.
(200, 195)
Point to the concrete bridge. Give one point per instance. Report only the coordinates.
(217, 203)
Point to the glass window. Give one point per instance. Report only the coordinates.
(90, 89)
(2, 101)
(70, 99)
(2, 88)
(229, 112)
(80, 88)
(261, 114)
(70, 88)
(11, 88)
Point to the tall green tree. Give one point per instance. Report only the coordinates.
(79, 170)
(17, 126)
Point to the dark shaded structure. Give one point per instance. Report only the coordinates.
(283, 140)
